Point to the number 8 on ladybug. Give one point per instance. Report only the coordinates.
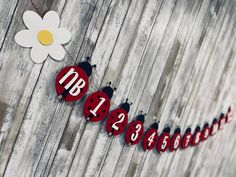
(97, 105)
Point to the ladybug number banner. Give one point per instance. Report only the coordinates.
(72, 83)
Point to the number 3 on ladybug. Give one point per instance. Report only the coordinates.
(97, 105)
(135, 130)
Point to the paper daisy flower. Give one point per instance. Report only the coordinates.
(43, 36)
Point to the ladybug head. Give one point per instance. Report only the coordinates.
(108, 90)
(197, 128)
(141, 117)
(229, 109)
(222, 115)
(86, 66)
(206, 125)
(188, 130)
(126, 105)
(214, 120)
(177, 130)
(166, 130)
(155, 125)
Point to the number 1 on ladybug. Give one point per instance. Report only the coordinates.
(98, 106)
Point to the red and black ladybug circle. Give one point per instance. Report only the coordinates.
(196, 138)
(186, 139)
(163, 142)
(205, 132)
(150, 137)
(175, 140)
(222, 121)
(214, 127)
(117, 122)
(96, 106)
(135, 130)
(229, 115)
(118, 119)
(72, 83)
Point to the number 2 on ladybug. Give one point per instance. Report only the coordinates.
(98, 106)
(121, 117)
(150, 139)
(135, 136)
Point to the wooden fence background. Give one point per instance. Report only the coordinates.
(175, 59)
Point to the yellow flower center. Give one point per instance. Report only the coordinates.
(45, 37)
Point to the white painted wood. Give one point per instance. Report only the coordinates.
(174, 59)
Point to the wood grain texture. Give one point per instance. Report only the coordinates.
(174, 59)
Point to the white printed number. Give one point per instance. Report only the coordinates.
(134, 136)
(94, 112)
(150, 139)
(176, 143)
(121, 119)
(164, 143)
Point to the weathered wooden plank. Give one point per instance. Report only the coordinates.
(74, 129)
(140, 9)
(7, 9)
(205, 117)
(17, 95)
(34, 146)
(174, 59)
(141, 76)
(108, 37)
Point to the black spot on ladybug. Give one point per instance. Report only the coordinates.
(118, 113)
(98, 115)
(99, 96)
(110, 124)
(123, 124)
(104, 111)
(112, 117)
(91, 100)
(89, 108)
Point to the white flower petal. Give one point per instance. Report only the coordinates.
(62, 35)
(32, 20)
(25, 38)
(57, 52)
(51, 19)
(39, 53)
